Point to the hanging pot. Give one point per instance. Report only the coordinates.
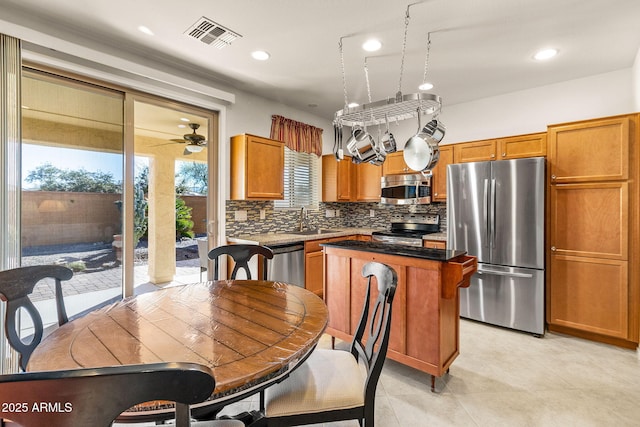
(421, 151)
(388, 142)
(362, 146)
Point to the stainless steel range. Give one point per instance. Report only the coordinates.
(408, 229)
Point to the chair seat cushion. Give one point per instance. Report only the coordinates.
(327, 380)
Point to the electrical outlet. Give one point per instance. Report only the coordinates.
(263, 213)
(372, 213)
(337, 212)
(240, 215)
(330, 213)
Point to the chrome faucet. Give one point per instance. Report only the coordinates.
(303, 217)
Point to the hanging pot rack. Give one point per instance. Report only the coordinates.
(399, 107)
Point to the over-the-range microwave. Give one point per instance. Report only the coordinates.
(408, 189)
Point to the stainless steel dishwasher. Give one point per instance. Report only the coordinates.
(287, 264)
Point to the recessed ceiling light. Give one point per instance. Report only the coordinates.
(425, 86)
(145, 30)
(372, 45)
(544, 54)
(353, 104)
(182, 126)
(260, 55)
(184, 119)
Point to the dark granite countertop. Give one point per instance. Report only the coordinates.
(400, 250)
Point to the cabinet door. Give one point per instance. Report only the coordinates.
(265, 169)
(439, 174)
(345, 180)
(368, 182)
(337, 180)
(589, 220)
(313, 272)
(394, 164)
(478, 151)
(596, 150)
(589, 294)
(516, 147)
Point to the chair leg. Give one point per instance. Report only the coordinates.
(183, 415)
(433, 384)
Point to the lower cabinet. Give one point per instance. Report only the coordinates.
(426, 308)
(314, 262)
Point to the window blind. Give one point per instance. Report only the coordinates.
(301, 175)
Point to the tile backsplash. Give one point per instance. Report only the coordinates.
(329, 215)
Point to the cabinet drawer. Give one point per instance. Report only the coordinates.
(434, 244)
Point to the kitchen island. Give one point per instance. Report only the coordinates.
(426, 308)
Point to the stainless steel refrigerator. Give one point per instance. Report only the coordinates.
(495, 211)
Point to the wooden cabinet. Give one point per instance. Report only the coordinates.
(590, 151)
(368, 182)
(345, 181)
(337, 181)
(426, 307)
(257, 168)
(516, 147)
(477, 151)
(593, 230)
(314, 263)
(394, 164)
(512, 147)
(434, 244)
(439, 174)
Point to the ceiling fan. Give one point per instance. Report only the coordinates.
(195, 143)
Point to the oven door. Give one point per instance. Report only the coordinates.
(414, 189)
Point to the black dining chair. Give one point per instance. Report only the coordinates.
(97, 396)
(241, 255)
(15, 287)
(335, 385)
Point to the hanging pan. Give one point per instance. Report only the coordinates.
(421, 151)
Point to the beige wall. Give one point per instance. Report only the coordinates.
(51, 217)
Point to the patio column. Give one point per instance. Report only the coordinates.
(162, 219)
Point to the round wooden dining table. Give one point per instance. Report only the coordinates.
(252, 333)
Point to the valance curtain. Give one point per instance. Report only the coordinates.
(297, 136)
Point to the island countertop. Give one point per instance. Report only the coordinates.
(443, 255)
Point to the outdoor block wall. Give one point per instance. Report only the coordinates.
(53, 218)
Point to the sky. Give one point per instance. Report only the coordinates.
(65, 158)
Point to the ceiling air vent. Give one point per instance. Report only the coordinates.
(212, 33)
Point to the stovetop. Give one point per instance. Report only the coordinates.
(412, 226)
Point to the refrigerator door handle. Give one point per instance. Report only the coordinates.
(492, 219)
(506, 273)
(486, 210)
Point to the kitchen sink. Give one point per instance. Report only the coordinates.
(312, 232)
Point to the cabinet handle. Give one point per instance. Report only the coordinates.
(553, 248)
(435, 194)
(504, 154)
(553, 177)
(493, 156)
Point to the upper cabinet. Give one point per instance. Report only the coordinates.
(345, 181)
(394, 164)
(512, 147)
(439, 174)
(477, 151)
(257, 168)
(596, 150)
(516, 147)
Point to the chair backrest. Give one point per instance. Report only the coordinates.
(15, 287)
(241, 255)
(96, 397)
(371, 349)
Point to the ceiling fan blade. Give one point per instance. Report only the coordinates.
(181, 141)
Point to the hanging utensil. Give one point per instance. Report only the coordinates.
(388, 142)
(421, 151)
(361, 146)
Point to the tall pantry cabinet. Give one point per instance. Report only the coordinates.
(593, 231)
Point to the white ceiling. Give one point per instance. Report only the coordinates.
(479, 48)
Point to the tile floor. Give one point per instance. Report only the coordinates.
(507, 378)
